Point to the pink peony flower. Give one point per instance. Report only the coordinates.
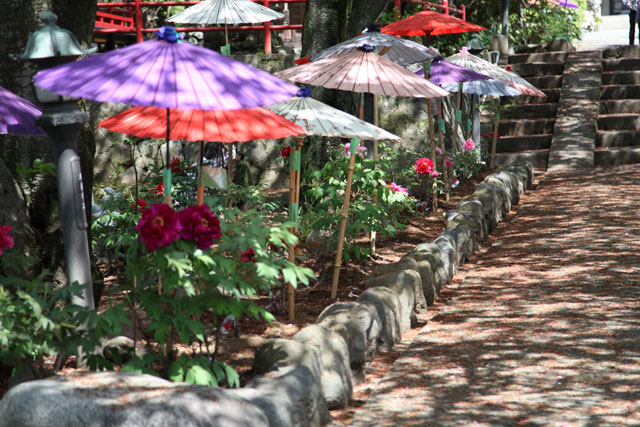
(361, 150)
(439, 150)
(448, 162)
(398, 188)
(435, 174)
(424, 166)
(198, 224)
(158, 227)
(469, 145)
(6, 241)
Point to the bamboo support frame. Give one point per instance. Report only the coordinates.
(432, 148)
(343, 222)
(200, 196)
(372, 236)
(454, 137)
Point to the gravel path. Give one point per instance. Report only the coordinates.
(541, 329)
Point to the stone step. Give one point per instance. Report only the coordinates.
(546, 82)
(617, 156)
(621, 64)
(619, 122)
(621, 78)
(620, 106)
(511, 144)
(538, 158)
(520, 58)
(538, 69)
(531, 111)
(552, 97)
(525, 127)
(619, 92)
(617, 138)
(621, 52)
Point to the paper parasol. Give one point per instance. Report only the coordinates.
(362, 71)
(429, 23)
(225, 12)
(17, 115)
(401, 51)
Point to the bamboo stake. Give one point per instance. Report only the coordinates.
(492, 164)
(372, 236)
(167, 166)
(343, 223)
(292, 207)
(230, 169)
(200, 197)
(454, 138)
(445, 174)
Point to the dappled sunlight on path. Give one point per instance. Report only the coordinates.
(543, 329)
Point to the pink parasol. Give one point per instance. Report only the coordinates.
(17, 115)
(362, 70)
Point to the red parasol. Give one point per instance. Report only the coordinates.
(240, 125)
(429, 23)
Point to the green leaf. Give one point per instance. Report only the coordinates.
(290, 276)
(201, 376)
(176, 372)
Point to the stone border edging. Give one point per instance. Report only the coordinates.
(346, 336)
(298, 379)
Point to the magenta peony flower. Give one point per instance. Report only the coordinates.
(6, 241)
(198, 224)
(435, 174)
(424, 166)
(469, 145)
(158, 227)
(448, 162)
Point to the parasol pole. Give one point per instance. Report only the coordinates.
(200, 197)
(372, 236)
(294, 197)
(442, 147)
(492, 164)
(230, 171)
(353, 149)
(167, 167)
(458, 120)
(432, 137)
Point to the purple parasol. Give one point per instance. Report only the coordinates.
(17, 115)
(167, 73)
(443, 72)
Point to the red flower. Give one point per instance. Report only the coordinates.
(158, 190)
(285, 152)
(6, 241)
(198, 224)
(424, 166)
(141, 204)
(175, 165)
(158, 227)
(248, 255)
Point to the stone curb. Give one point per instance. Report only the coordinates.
(298, 379)
(396, 292)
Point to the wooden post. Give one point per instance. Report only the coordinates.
(267, 32)
(492, 164)
(353, 149)
(373, 235)
(230, 172)
(138, 13)
(432, 138)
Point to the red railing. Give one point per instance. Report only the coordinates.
(121, 17)
(443, 8)
(111, 19)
